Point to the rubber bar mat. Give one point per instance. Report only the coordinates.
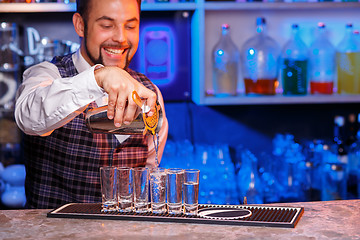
(284, 217)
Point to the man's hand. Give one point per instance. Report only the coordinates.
(119, 85)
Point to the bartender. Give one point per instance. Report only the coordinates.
(62, 156)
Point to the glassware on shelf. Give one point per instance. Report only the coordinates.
(348, 62)
(322, 63)
(353, 144)
(294, 68)
(225, 62)
(260, 60)
(249, 182)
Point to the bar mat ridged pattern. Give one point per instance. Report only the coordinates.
(285, 217)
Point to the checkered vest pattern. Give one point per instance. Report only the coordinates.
(64, 167)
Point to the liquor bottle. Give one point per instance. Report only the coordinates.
(294, 72)
(353, 144)
(339, 143)
(348, 60)
(322, 63)
(260, 62)
(249, 183)
(225, 61)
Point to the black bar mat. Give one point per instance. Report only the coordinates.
(266, 216)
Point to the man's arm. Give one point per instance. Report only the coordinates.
(45, 101)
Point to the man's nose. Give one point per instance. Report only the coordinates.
(119, 34)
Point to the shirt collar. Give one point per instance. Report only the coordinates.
(79, 61)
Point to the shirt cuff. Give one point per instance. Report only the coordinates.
(87, 89)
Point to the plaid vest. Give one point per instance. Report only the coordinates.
(64, 167)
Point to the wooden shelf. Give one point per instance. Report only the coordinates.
(279, 99)
(71, 7)
(36, 7)
(168, 6)
(218, 6)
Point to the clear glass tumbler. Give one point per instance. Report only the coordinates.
(125, 189)
(174, 184)
(158, 190)
(141, 189)
(108, 189)
(191, 191)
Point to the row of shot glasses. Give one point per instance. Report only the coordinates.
(173, 190)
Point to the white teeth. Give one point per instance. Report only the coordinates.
(114, 51)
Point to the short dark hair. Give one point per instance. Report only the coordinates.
(82, 7)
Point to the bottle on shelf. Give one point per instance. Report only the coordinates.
(322, 63)
(348, 61)
(357, 35)
(225, 62)
(294, 68)
(339, 143)
(260, 62)
(353, 144)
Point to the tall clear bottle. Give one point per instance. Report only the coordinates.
(260, 62)
(322, 63)
(249, 183)
(225, 61)
(294, 68)
(348, 62)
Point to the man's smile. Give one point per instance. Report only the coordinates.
(115, 51)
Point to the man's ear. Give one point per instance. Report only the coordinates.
(78, 22)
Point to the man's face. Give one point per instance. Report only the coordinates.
(111, 34)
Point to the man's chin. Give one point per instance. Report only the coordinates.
(115, 64)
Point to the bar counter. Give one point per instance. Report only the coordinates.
(321, 220)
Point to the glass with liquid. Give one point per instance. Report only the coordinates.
(174, 184)
(191, 191)
(158, 190)
(125, 189)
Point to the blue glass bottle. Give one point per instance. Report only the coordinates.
(249, 183)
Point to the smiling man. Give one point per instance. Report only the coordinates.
(62, 157)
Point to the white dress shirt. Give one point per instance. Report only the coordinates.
(46, 101)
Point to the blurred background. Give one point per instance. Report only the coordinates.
(289, 133)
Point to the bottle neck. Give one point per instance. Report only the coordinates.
(261, 28)
(225, 36)
(348, 33)
(295, 33)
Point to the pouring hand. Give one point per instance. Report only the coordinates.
(119, 85)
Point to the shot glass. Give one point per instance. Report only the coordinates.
(141, 189)
(125, 189)
(174, 185)
(158, 190)
(191, 191)
(108, 189)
